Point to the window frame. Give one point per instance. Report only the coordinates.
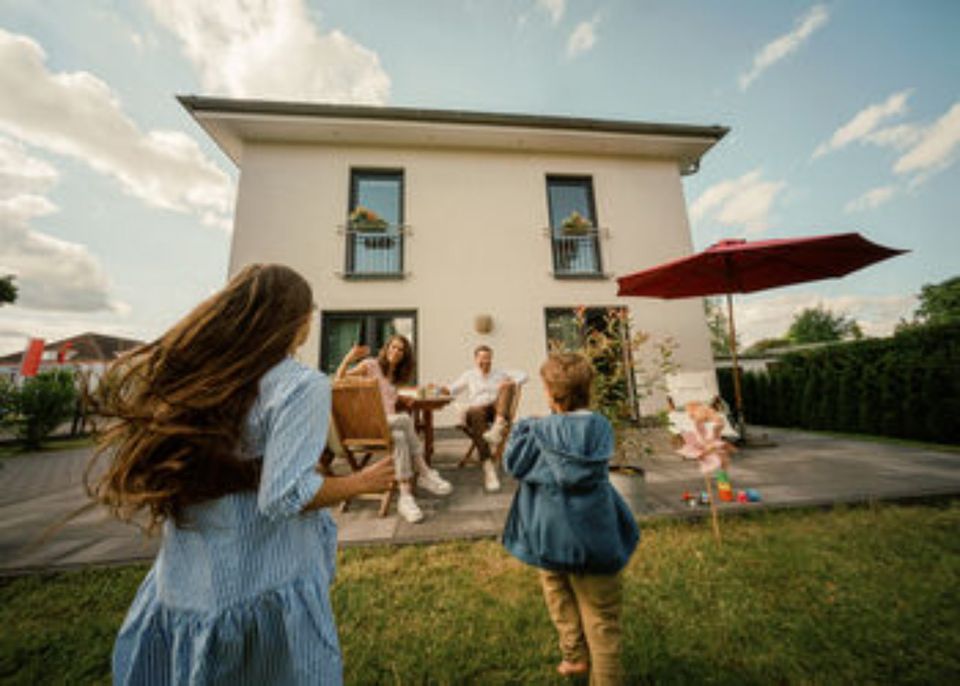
(368, 334)
(356, 176)
(585, 181)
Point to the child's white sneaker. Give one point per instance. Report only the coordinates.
(408, 509)
(431, 481)
(490, 481)
(494, 434)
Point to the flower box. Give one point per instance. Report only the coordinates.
(576, 225)
(367, 221)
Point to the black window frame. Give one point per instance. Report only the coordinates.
(356, 175)
(368, 334)
(585, 181)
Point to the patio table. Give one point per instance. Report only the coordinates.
(422, 410)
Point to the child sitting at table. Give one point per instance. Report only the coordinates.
(567, 520)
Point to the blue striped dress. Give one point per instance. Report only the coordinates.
(239, 595)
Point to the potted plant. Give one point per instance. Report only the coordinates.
(576, 225)
(367, 221)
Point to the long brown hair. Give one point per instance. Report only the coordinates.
(404, 370)
(175, 407)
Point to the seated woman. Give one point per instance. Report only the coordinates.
(394, 365)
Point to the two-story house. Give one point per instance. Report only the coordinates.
(472, 237)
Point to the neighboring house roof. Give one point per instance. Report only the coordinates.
(232, 122)
(85, 348)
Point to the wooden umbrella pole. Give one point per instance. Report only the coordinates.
(713, 509)
(738, 395)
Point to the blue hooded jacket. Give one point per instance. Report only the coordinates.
(565, 516)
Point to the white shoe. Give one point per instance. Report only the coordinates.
(408, 509)
(494, 434)
(490, 481)
(431, 481)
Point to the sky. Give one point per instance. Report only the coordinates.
(116, 209)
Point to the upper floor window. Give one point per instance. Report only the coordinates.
(375, 223)
(573, 226)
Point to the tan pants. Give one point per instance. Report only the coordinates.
(479, 417)
(586, 611)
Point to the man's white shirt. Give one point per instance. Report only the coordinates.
(480, 389)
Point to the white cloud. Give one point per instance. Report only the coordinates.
(936, 148)
(863, 126)
(272, 49)
(555, 8)
(76, 114)
(760, 317)
(871, 199)
(582, 38)
(52, 274)
(782, 46)
(745, 202)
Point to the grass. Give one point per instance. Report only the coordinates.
(852, 595)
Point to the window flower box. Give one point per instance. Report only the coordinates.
(576, 225)
(367, 221)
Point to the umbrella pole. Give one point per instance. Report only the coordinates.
(738, 395)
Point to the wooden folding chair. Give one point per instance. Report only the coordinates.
(497, 452)
(361, 430)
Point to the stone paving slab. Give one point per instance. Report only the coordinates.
(802, 470)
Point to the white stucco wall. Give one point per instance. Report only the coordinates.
(478, 246)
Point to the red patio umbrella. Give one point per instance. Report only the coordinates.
(738, 266)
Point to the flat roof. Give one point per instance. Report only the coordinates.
(232, 122)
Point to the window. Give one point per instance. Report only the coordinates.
(568, 329)
(375, 248)
(341, 330)
(576, 251)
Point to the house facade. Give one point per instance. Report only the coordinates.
(459, 229)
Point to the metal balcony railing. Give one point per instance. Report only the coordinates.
(577, 255)
(374, 253)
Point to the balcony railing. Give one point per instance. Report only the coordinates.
(374, 253)
(577, 255)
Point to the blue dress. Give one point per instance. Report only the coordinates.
(239, 595)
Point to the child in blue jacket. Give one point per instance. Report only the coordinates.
(567, 520)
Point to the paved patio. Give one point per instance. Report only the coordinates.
(802, 470)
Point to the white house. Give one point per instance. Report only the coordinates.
(473, 206)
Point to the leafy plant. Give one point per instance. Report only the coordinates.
(364, 219)
(576, 224)
(629, 368)
(40, 405)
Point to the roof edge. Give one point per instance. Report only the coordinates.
(196, 105)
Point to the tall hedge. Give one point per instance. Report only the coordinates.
(906, 386)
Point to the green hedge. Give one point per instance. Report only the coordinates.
(907, 386)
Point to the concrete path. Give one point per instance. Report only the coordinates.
(802, 470)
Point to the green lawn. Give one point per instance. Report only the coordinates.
(862, 595)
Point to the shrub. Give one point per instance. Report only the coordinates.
(40, 405)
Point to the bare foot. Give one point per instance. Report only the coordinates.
(573, 668)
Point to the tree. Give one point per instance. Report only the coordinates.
(939, 303)
(719, 327)
(40, 405)
(819, 325)
(766, 344)
(8, 290)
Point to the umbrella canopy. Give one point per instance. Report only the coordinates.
(739, 266)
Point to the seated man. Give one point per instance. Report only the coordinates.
(489, 398)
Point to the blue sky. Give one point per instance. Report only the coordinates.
(115, 208)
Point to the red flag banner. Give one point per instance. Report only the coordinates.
(31, 357)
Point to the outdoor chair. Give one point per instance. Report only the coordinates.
(689, 387)
(497, 452)
(359, 430)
